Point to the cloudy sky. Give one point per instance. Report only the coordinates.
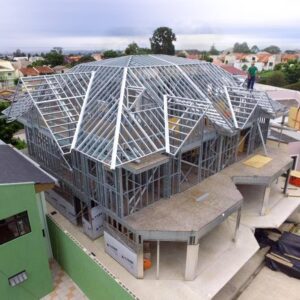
(103, 24)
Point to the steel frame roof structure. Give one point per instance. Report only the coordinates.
(122, 109)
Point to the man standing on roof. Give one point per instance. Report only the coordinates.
(251, 76)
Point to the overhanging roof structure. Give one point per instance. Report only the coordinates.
(122, 109)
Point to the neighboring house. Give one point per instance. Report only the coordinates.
(269, 60)
(232, 70)
(246, 65)
(24, 242)
(287, 57)
(72, 58)
(35, 58)
(263, 60)
(7, 74)
(60, 69)
(97, 56)
(35, 71)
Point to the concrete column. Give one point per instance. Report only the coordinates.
(157, 259)
(237, 225)
(286, 181)
(265, 203)
(192, 253)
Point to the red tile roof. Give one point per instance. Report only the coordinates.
(232, 70)
(35, 71)
(44, 70)
(29, 72)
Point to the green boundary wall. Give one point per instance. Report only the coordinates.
(90, 276)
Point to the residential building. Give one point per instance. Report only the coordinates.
(60, 69)
(139, 145)
(24, 241)
(72, 58)
(7, 74)
(35, 58)
(35, 71)
(97, 56)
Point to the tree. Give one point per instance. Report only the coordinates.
(54, 58)
(254, 49)
(182, 54)
(58, 50)
(213, 50)
(241, 48)
(162, 41)
(7, 130)
(245, 68)
(110, 54)
(290, 51)
(276, 79)
(273, 49)
(205, 56)
(132, 49)
(18, 53)
(38, 63)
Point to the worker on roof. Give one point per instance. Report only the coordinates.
(251, 76)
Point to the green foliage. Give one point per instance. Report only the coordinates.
(16, 80)
(241, 48)
(19, 53)
(132, 49)
(277, 78)
(254, 49)
(291, 71)
(294, 86)
(213, 50)
(38, 63)
(110, 54)
(181, 54)
(205, 56)
(18, 143)
(7, 130)
(54, 58)
(273, 49)
(244, 68)
(162, 41)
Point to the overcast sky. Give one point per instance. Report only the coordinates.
(103, 24)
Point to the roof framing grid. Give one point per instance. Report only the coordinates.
(58, 99)
(181, 115)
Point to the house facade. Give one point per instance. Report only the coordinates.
(7, 74)
(24, 241)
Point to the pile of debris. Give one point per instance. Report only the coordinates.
(284, 252)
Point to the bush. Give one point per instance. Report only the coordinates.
(18, 143)
(293, 86)
(277, 78)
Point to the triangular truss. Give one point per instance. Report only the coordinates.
(58, 98)
(182, 115)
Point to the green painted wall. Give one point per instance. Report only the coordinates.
(87, 274)
(27, 252)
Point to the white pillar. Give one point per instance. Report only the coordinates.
(157, 260)
(192, 253)
(265, 204)
(140, 262)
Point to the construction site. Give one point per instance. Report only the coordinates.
(163, 163)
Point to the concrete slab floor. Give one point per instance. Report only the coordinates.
(279, 209)
(271, 285)
(219, 260)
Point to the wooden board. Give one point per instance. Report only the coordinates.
(257, 161)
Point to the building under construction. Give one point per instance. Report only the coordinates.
(138, 144)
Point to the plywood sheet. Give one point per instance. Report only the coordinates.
(257, 161)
